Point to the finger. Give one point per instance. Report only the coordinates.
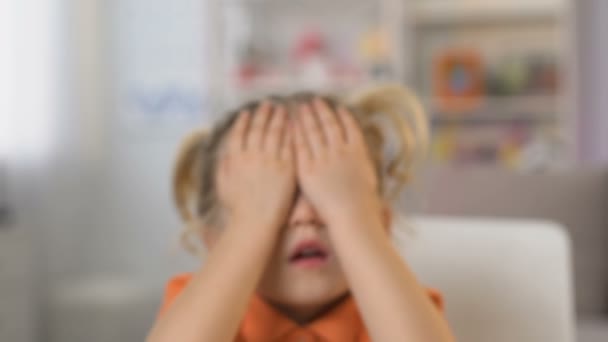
(352, 130)
(330, 125)
(310, 130)
(236, 140)
(274, 132)
(286, 152)
(302, 149)
(259, 121)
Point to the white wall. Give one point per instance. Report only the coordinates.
(108, 205)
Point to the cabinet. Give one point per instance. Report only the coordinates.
(497, 77)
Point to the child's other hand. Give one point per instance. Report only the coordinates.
(256, 174)
(333, 164)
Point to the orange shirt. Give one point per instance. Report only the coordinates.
(263, 323)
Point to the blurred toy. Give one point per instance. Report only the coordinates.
(309, 57)
(375, 49)
(509, 77)
(444, 144)
(458, 80)
(249, 66)
(516, 137)
(520, 75)
(544, 151)
(544, 76)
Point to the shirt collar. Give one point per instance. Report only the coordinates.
(263, 322)
(341, 323)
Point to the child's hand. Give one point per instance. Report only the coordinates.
(333, 164)
(256, 174)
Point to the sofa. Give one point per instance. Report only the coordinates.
(576, 199)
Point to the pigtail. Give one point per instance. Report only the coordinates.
(186, 174)
(408, 125)
(186, 183)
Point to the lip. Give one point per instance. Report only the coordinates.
(309, 262)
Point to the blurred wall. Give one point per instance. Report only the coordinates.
(107, 200)
(132, 67)
(592, 18)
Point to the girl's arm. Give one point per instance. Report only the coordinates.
(256, 158)
(395, 307)
(213, 304)
(337, 175)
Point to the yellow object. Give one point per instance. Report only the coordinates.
(509, 155)
(444, 144)
(374, 45)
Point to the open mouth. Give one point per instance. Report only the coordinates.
(309, 254)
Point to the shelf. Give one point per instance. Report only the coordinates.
(448, 13)
(492, 120)
(284, 85)
(493, 110)
(300, 4)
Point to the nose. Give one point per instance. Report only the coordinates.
(303, 213)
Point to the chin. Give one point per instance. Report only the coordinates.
(307, 293)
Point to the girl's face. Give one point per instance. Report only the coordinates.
(303, 271)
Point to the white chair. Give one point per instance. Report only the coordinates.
(502, 280)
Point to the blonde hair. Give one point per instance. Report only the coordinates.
(392, 121)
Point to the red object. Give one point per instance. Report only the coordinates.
(247, 74)
(308, 44)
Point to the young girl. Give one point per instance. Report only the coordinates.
(291, 198)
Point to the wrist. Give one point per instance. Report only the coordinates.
(361, 212)
(249, 237)
(356, 235)
(253, 222)
(353, 220)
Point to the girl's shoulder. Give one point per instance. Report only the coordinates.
(436, 297)
(174, 287)
(177, 283)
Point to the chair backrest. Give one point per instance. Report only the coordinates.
(503, 280)
(574, 198)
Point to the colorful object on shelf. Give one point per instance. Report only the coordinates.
(494, 144)
(307, 45)
(544, 76)
(375, 46)
(458, 82)
(251, 64)
(444, 144)
(509, 77)
(375, 49)
(310, 60)
(523, 75)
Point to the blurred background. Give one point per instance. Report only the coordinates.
(96, 95)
